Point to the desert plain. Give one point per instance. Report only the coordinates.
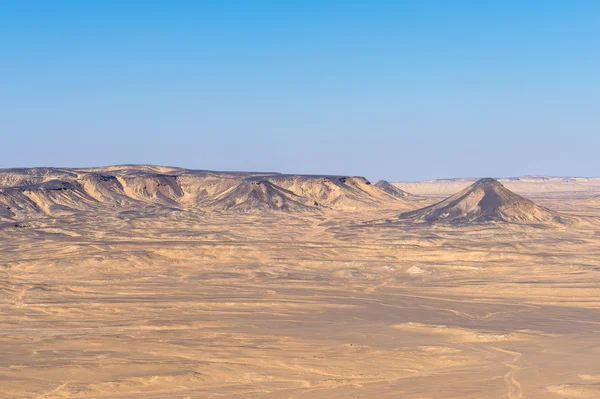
(153, 282)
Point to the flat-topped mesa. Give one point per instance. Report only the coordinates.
(391, 189)
(47, 191)
(487, 200)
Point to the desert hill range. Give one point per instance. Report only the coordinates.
(153, 282)
(50, 191)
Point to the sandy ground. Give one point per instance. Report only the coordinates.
(311, 305)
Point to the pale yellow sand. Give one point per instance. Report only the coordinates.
(297, 305)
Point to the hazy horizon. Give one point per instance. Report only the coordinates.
(370, 178)
(401, 92)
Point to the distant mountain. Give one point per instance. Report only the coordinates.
(487, 200)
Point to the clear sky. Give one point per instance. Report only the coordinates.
(401, 90)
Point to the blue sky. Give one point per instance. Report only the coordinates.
(401, 90)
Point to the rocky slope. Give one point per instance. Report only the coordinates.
(341, 192)
(391, 189)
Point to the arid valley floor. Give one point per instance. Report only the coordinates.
(149, 282)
